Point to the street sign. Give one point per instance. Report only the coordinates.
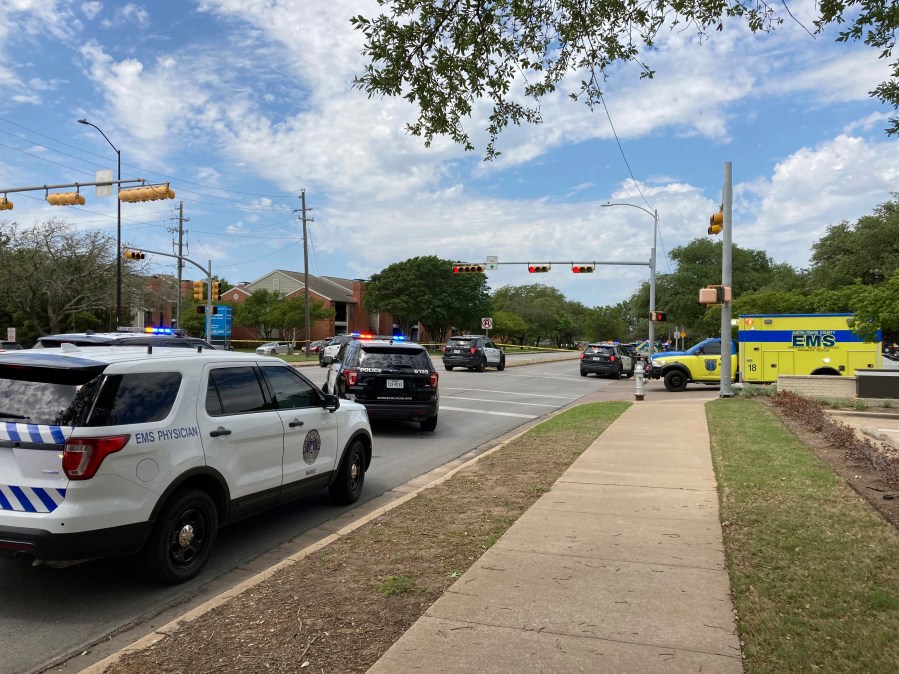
(486, 323)
(492, 262)
(104, 175)
(220, 323)
(683, 334)
(10, 334)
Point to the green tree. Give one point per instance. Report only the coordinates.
(53, 275)
(289, 316)
(866, 252)
(606, 323)
(540, 306)
(508, 326)
(445, 57)
(425, 290)
(258, 313)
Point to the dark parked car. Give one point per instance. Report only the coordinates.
(9, 346)
(476, 352)
(605, 360)
(394, 380)
(122, 339)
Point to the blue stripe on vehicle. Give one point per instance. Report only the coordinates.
(45, 498)
(35, 433)
(23, 500)
(12, 431)
(4, 502)
(57, 435)
(787, 335)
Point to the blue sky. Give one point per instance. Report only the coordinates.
(243, 103)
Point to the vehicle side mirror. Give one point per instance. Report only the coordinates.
(332, 403)
(327, 360)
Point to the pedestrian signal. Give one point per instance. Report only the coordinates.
(582, 269)
(134, 254)
(540, 268)
(468, 268)
(658, 316)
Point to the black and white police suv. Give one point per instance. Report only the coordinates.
(476, 352)
(115, 450)
(393, 379)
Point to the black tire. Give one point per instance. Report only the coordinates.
(428, 424)
(351, 476)
(675, 381)
(449, 368)
(502, 364)
(583, 373)
(482, 366)
(182, 538)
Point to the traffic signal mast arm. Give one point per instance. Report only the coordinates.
(6, 204)
(573, 263)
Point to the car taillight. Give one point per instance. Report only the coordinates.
(81, 457)
(582, 355)
(473, 350)
(433, 382)
(351, 377)
(612, 358)
(443, 348)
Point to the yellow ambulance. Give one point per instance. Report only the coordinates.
(820, 344)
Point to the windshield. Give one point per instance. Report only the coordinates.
(400, 359)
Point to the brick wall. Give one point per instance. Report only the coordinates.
(817, 386)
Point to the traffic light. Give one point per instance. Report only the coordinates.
(146, 193)
(216, 295)
(201, 309)
(65, 199)
(468, 269)
(198, 290)
(5, 204)
(716, 222)
(658, 316)
(582, 269)
(134, 254)
(540, 268)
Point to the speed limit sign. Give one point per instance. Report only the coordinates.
(486, 323)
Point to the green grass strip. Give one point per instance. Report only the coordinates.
(814, 569)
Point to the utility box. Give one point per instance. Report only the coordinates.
(877, 384)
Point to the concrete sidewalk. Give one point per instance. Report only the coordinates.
(619, 568)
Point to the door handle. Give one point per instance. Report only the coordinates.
(221, 430)
(295, 423)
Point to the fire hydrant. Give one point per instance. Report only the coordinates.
(638, 378)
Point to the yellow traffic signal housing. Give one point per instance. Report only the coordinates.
(134, 254)
(198, 290)
(5, 204)
(146, 193)
(216, 295)
(582, 269)
(468, 269)
(65, 199)
(540, 268)
(716, 222)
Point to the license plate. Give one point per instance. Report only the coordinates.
(394, 383)
(457, 351)
(596, 358)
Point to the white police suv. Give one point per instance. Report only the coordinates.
(122, 450)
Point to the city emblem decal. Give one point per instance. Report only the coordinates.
(311, 446)
(711, 365)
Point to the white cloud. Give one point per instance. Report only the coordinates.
(91, 9)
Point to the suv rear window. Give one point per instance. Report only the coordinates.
(394, 357)
(459, 341)
(134, 398)
(600, 348)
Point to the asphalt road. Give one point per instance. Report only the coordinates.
(66, 619)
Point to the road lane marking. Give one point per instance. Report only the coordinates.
(498, 414)
(502, 402)
(508, 393)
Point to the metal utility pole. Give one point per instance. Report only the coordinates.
(181, 233)
(303, 210)
(726, 308)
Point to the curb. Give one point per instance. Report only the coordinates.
(159, 633)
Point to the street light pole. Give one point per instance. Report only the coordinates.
(652, 272)
(118, 252)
